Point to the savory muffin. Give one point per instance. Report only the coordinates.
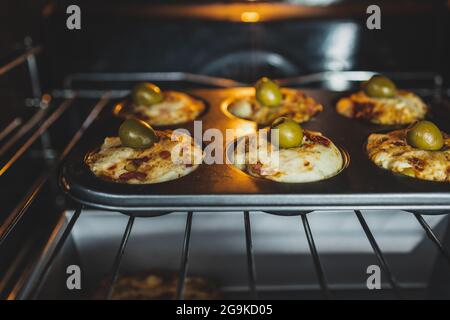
(270, 102)
(143, 156)
(422, 152)
(380, 102)
(295, 156)
(157, 108)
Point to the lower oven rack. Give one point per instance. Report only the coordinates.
(34, 287)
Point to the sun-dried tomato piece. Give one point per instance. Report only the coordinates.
(417, 163)
(256, 167)
(138, 161)
(364, 110)
(133, 175)
(164, 154)
(317, 139)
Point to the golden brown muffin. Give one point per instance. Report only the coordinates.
(404, 108)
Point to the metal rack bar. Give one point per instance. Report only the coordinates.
(432, 236)
(379, 254)
(184, 258)
(250, 258)
(30, 124)
(54, 254)
(39, 132)
(33, 70)
(19, 60)
(316, 258)
(359, 76)
(151, 76)
(118, 259)
(89, 93)
(10, 128)
(23, 206)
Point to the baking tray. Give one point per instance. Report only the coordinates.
(222, 187)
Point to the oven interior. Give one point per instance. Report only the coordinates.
(284, 265)
(247, 254)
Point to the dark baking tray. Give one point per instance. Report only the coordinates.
(223, 187)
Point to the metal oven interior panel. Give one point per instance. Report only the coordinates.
(320, 254)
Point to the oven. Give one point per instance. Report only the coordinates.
(58, 84)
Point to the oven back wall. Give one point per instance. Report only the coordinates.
(114, 39)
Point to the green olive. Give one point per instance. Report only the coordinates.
(268, 92)
(290, 133)
(380, 87)
(137, 134)
(425, 135)
(146, 94)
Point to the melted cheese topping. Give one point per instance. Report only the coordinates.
(176, 108)
(404, 108)
(295, 105)
(316, 159)
(166, 160)
(392, 152)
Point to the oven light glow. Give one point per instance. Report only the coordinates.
(250, 16)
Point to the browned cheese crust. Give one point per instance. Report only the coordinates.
(159, 163)
(404, 108)
(176, 107)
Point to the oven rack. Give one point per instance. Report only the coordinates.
(393, 284)
(92, 85)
